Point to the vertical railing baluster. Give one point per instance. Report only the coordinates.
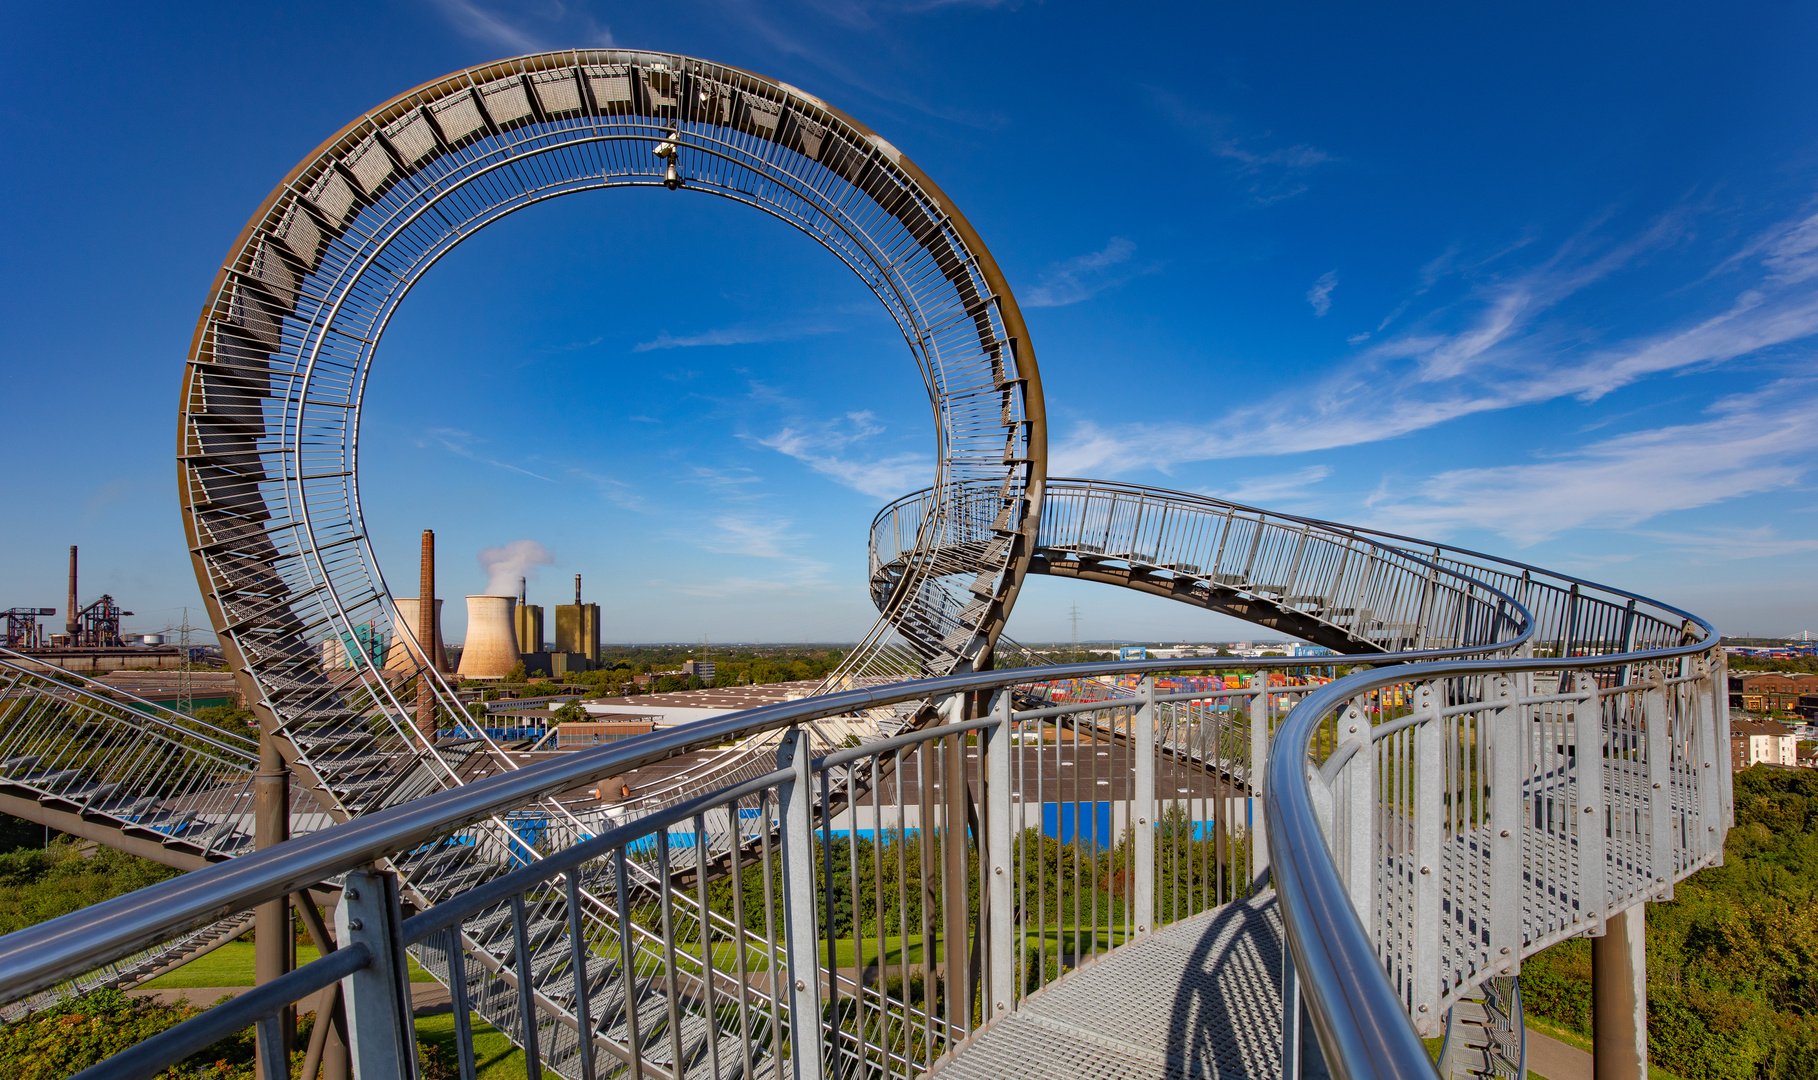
(1704, 773)
(1428, 812)
(634, 1038)
(705, 922)
(795, 798)
(526, 973)
(996, 748)
(458, 1004)
(1589, 829)
(578, 954)
(1290, 1015)
(1144, 805)
(737, 878)
(671, 983)
(1259, 762)
(1659, 793)
(1358, 794)
(1507, 727)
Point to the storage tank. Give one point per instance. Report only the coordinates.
(402, 656)
(491, 649)
(152, 639)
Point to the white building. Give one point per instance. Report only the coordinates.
(1753, 742)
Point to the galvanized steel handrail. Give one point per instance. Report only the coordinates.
(41, 955)
(1360, 1018)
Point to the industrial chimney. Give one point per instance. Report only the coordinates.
(71, 624)
(491, 650)
(404, 653)
(578, 627)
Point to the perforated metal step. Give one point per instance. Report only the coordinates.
(1200, 998)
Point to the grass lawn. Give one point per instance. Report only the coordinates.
(494, 1057)
(846, 953)
(232, 965)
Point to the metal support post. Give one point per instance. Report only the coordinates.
(956, 861)
(1429, 811)
(1705, 770)
(1590, 828)
(1661, 811)
(1259, 764)
(1358, 791)
(1508, 745)
(274, 946)
(1000, 916)
(1144, 807)
(377, 996)
(795, 805)
(1720, 693)
(1619, 997)
(1290, 1015)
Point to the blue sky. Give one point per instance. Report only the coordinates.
(1536, 280)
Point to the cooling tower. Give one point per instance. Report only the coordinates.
(491, 650)
(402, 656)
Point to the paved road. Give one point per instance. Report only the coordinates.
(1551, 1059)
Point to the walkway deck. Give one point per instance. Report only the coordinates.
(1199, 999)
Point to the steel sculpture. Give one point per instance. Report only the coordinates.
(593, 942)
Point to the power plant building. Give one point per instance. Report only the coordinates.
(577, 628)
(491, 650)
(530, 627)
(404, 652)
(529, 622)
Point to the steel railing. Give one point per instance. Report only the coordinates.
(782, 874)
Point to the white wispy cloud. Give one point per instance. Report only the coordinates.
(459, 442)
(761, 538)
(569, 24)
(1272, 489)
(1761, 542)
(617, 492)
(744, 334)
(1320, 295)
(1752, 443)
(1508, 351)
(823, 447)
(1273, 171)
(1085, 276)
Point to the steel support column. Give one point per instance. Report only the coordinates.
(274, 947)
(1619, 996)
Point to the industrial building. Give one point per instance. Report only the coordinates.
(92, 639)
(578, 627)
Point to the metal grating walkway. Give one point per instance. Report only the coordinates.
(1199, 999)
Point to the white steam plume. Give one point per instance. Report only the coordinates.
(505, 564)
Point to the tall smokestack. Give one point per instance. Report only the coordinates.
(577, 590)
(523, 593)
(426, 637)
(69, 623)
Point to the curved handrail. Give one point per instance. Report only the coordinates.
(1360, 1019)
(42, 955)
